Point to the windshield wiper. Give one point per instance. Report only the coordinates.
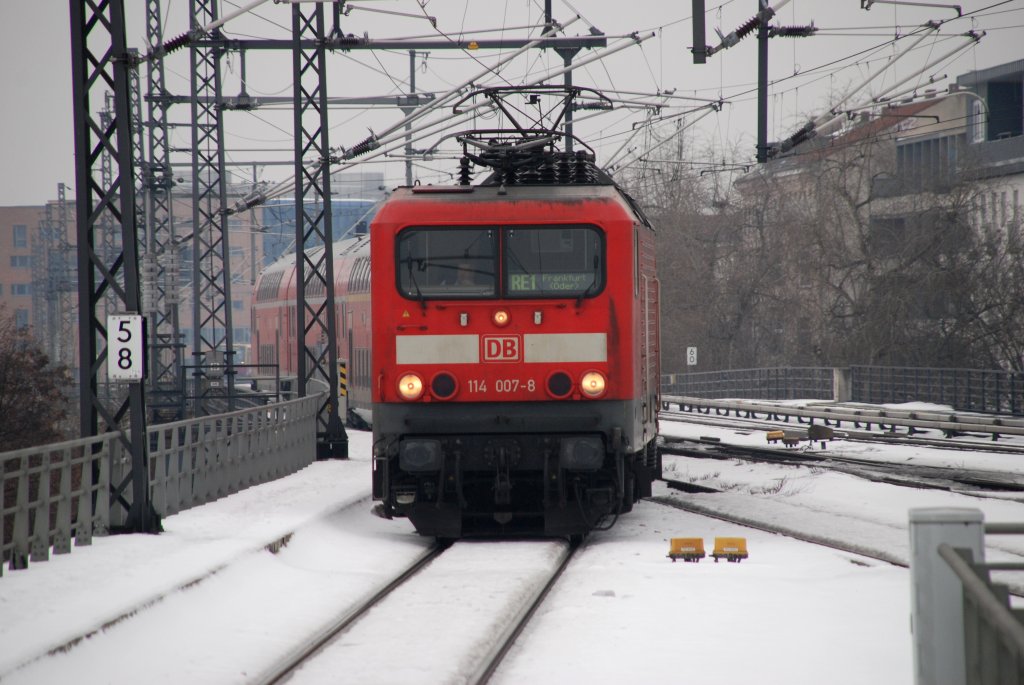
(419, 293)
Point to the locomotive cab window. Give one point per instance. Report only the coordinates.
(554, 261)
(447, 263)
(536, 262)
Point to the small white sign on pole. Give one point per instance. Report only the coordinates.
(691, 356)
(126, 344)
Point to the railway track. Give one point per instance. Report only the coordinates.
(976, 482)
(857, 418)
(293, 660)
(976, 441)
(489, 605)
(1007, 553)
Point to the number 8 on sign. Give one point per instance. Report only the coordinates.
(125, 347)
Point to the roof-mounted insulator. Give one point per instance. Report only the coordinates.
(464, 172)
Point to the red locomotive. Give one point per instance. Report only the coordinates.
(514, 372)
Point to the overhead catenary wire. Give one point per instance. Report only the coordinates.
(374, 140)
(835, 114)
(397, 139)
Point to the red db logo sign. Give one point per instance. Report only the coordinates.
(501, 348)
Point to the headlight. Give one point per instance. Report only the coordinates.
(500, 318)
(593, 384)
(410, 386)
(583, 453)
(420, 455)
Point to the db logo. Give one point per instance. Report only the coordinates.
(501, 348)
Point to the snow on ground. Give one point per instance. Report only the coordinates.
(792, 613)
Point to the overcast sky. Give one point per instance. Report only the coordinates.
(36, 119)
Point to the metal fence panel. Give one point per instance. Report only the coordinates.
(978, 390)
(975, 390)
(50, 494)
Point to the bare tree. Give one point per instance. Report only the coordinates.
(33, 406)
(834, 256)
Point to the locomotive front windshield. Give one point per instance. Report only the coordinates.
(535, 262)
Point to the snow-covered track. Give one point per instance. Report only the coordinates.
(877, 553)
(459, 613)
(502, 650)
(978, 482)
(857, 418)
(293, 660)
(272, 543)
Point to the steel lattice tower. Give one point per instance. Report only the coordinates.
(211, 278)
(161, 260)
(313, 224)
(100, 62)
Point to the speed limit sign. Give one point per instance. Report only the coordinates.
(691, 356)
(126, 337)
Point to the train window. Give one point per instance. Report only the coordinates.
(448, 263)
(554, 261)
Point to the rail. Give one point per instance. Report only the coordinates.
(965, 630)
(950, 423)
(977, 390)
(54, 493)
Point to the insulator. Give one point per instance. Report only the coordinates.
(371, 143)
(744, 30)
(464, 175)
(792, 31)
(548, 173)
(249, 201)
(529, 176)
(564, 169)
(176, 43)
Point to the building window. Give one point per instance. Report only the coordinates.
(21, 289)
(20, 235)
(21, 318)
(977, 122)
(21, 260)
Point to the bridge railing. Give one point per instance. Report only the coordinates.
(53, 493)
(964, 629)
(976, 390)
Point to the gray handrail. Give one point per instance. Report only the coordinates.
(51, 493)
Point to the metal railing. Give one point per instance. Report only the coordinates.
(980, 390)
(761, 384)
(977, 390)
(52, 493)
(197, 461)
(965, 630)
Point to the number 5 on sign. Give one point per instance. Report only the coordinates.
(126, 340)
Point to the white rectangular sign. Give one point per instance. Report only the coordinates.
(126, 343)
(691, 356)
